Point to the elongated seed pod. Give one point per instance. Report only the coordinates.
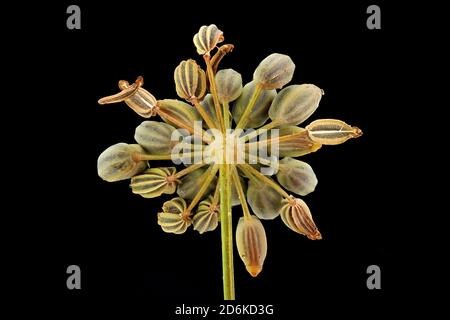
(294, 104)
(251, 243)
(259, 114)
(207, 39)
(155, 137)
(179, 109)
(296, 215)
(274, 71)
(154, 181)
(190, 80)
(173, 219)
(229, 85)
(296, 176)
(207, 216)
(264, 200)
(136, 97)
(190, 184)
(117, 162)
(331, 131)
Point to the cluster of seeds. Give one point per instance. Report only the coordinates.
(219, 99)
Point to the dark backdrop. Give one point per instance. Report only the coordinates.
(113, 235)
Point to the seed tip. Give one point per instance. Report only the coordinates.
(254, 270)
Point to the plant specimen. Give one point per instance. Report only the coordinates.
(232, 156)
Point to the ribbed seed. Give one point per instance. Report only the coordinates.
(264, 200)
(117, 162)
(207, 39)
(136, 97)
(172, 219)
(229, 85)
(207, 216)
(294, 104)
(154, 182)
(296, 215)
(251, 243)
(155, 137)
(296, 176)
(274, 71)
(190, 80)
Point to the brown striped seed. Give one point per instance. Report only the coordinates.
(207, 39)
(296, 215)
(207, 216)
(251, 243)
(173, 218)
(190, 80)
(136, 97)
(154, 182)
(331, 131)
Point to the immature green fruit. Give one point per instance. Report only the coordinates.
(174, 218)
(275, 71)
(264, 200)
(251, 243)
(207, 39)
(331, 131)
(155, 137)
(118, 162)
(207, 216)
(179, 109)
(229, 85)
(294, 104)
(296, 215)
(259, 114)
(296, 176)
(190, 80)
(154, 181)
(192, 182)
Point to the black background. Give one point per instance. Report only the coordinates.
(127, 262)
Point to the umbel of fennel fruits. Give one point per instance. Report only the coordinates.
(238, 144)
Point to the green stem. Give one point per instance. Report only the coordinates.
(226, 115)
(204, 114)
(226, 232)
(213, 89)
(248, 109)
(241, 194)
(188, 170)
(142, 157)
